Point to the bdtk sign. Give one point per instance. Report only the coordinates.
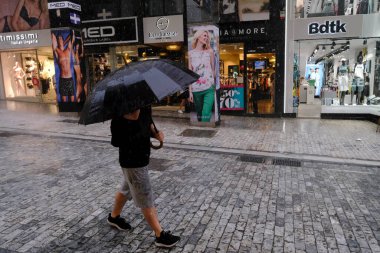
(329, 27)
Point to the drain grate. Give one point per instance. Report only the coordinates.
(198, 133)
(251, 159)
(287, 162)
(7, 134)
(69, 121)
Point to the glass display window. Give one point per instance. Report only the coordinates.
(343, 74)
(231, 70)
(25, 73)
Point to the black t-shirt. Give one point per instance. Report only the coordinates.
(133, 139)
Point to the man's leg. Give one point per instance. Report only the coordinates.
(151, 217)
(120, 200)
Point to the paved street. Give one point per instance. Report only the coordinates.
(231, 191)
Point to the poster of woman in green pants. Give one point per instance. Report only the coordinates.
(202, 60)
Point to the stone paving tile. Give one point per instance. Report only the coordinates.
(56, 194)
(331, 138)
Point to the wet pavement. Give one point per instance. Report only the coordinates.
(212, 188)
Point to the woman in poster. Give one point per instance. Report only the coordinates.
(28, 15)
(202, 62)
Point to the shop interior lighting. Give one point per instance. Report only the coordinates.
(323, 48)
(364, 42)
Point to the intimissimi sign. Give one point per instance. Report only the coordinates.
(240, 32)
(14, 40)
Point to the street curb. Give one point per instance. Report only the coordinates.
(220, 150)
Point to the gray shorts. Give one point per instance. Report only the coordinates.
(136, 186)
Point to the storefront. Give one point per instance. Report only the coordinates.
(333, 58)
(164, 36)
(250, 68)
(27, 67)
(109, 45)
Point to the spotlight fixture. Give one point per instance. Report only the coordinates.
(365, 42)
(323, 48)
(347, 42)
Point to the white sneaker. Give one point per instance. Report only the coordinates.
(180, 111)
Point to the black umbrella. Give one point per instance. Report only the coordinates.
(134, 86)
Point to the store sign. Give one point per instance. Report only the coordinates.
(163, 29)
(63, 5)
(332, 27)
(232, 98)
(242, 31)
(110, 31)
(15, 40)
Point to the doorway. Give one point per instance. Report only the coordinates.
(261, 73)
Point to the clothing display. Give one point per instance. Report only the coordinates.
(201, 64)
(343, 77)
(359, 71)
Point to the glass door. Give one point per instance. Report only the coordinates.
(260, 92)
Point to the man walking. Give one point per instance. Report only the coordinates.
(131, 133)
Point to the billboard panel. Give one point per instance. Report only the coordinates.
(23, 15)
(203, 44)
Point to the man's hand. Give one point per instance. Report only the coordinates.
(159, 136)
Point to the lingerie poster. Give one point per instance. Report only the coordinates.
(203, 44)
(70, 80)
(23, 15)
(243, 10)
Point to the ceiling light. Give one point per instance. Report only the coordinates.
(323, 48)
(365, 42)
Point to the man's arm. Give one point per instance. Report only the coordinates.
(54, 44)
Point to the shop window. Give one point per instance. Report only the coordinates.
(342, 75)
(27, 76)
(319, 8)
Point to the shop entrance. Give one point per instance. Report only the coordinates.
(28, 75)
(260, 92)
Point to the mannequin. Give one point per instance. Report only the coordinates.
(342, 73)
(328, 7)
(18, 74)
(318, 82)
(358, 82)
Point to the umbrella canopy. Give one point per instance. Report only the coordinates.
(134, 86)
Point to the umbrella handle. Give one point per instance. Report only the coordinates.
(156, 147)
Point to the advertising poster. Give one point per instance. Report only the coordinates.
(244, 10)
(71, 85)
(314, 75)
(64, 13)
(23, 15)
(203, 44)
(232, 98)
